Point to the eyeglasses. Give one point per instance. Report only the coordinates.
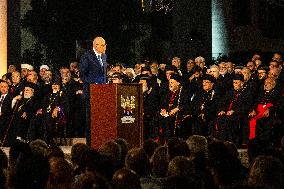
(102, 45)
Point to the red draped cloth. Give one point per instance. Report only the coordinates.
(261, 108)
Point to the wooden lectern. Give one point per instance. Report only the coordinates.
(116, 112)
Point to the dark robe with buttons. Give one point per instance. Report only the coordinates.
(55, 127)
(203, 112)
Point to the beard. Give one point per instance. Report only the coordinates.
(173, 88)
(144, 89)
(28, 95)
(268, 88)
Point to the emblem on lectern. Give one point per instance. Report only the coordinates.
(128, 105)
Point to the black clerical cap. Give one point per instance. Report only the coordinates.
(146, 68)
(31, 85)
(263, 68)
(209, 78)
(176, 77)
(238, 77)
(239, 67)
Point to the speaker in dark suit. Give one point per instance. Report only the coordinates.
(93, 71)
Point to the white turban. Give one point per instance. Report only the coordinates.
(27, 66)
(44, 67)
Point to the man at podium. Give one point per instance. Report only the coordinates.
(93, 71)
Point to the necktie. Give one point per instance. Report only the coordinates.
(100, 59)
(1, 100)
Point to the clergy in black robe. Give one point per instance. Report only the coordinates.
(173, 106)
(151, 105)
(203, 107)
(233, 109)
(54, 109)
(24, 108)
(264, 116)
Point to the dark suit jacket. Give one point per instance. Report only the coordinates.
(91, 70)
(6, 108)
(6, 111)
(17, 89)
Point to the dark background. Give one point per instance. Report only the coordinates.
(134, 35)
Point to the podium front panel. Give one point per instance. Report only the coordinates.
(103, 114)
(129, 113)
(116, 112)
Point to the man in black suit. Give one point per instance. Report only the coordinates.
(92, 71)
(5, 107)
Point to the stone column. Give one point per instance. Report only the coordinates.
(219, 28)
(3, 37)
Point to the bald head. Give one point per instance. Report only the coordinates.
(99, 45)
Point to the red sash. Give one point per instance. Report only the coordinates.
(261, 108)
(229, 109)
(232, 102)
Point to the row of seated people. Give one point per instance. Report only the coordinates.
(221, 100)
